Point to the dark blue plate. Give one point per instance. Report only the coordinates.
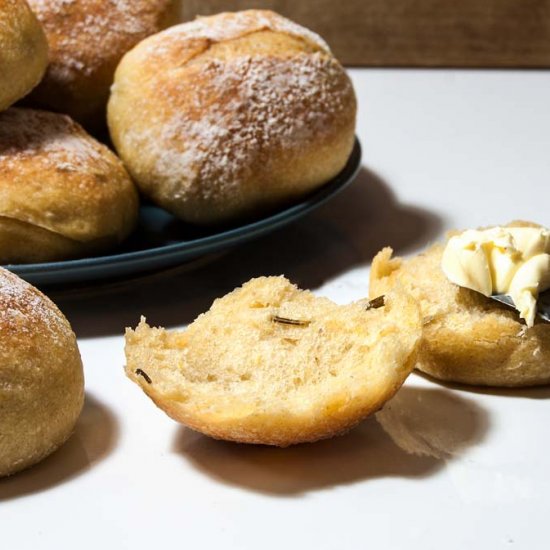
(162, 241)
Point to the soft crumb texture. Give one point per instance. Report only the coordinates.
(273, 364)
(41, 379)
(23, 51)
(62, 193)
(467, 337)
(87, 39)
(240, 113)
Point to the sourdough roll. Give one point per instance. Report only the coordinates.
(275, 365)
(467, 337)
(41, 379)
(23, 51)
(239, 113)
(62, 194)
(87, 39)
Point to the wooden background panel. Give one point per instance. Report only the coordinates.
(429, 33)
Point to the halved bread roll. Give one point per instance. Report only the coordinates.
(467, 338)
(275, 365)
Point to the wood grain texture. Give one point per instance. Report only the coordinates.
(428, 33)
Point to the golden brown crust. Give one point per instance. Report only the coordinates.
(23, 51)
(56, 178)
(280, 429)
(22, 242)
(87, 39)
(237, 375)
(41, 378)
(467, 337)
(240, 113)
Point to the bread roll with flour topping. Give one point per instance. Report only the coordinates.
(23, 51)
(87, 39)
(239, 113)
(41, 378)
(62, 194)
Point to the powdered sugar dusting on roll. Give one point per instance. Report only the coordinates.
(228, 26)
(274, 105)
(82, 34)
(23, 308)
(231, 116)
(52, 139)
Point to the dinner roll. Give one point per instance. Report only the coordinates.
(87, 38)
(41, 379)
(23, 51)
(467, 338)
(62, 194)
(273, 364)
(239, 113)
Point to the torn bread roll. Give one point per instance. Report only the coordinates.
(467, 337)
(275, 365)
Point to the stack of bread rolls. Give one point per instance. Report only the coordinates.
(218, 121)
(62, 193)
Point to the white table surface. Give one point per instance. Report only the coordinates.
(442, 149)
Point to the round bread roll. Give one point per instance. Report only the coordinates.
(23, 51)
(62, 194)
(467, 338)
(275, 365)
(41, 379)
(239, 113)
(87, 39)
